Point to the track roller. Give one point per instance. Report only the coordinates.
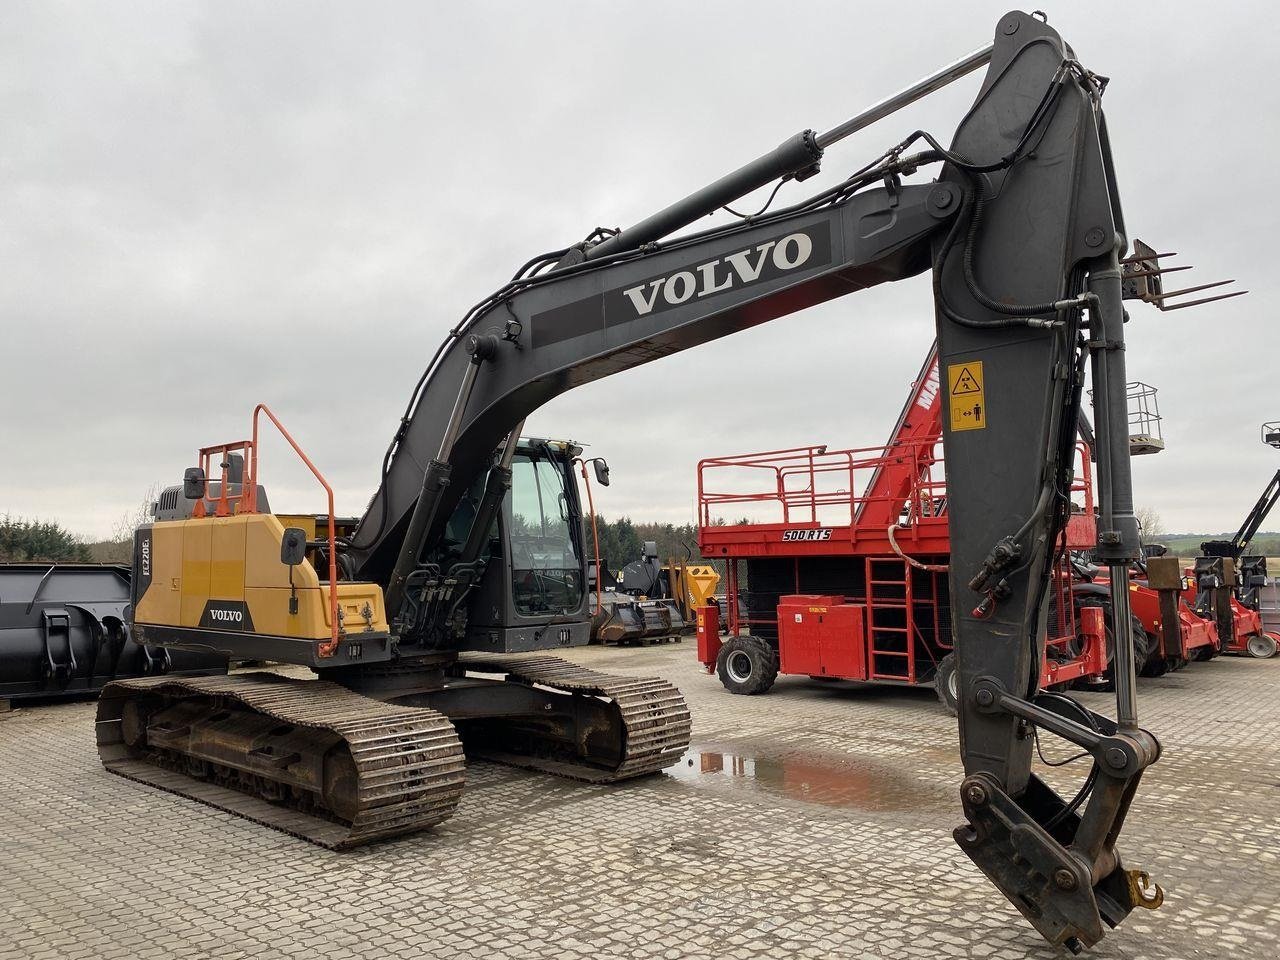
(307, 757)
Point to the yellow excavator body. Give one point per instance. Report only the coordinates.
(225, 574)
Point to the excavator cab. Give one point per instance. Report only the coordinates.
(532, 594)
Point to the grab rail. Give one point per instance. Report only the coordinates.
(245, 500)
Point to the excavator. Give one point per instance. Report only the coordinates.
(428, 619)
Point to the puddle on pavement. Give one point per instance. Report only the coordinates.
(827, 781)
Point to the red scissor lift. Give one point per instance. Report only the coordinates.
(837, 569)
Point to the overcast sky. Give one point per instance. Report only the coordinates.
(203, 206)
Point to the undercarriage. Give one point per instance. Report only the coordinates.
(319, 760)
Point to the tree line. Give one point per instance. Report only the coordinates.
(39, 541)
(622, 541)
(1188, 545)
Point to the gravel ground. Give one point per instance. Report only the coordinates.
(812, 822)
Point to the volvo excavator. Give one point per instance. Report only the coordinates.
(428, 621)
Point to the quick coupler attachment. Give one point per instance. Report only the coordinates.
(1058, 866)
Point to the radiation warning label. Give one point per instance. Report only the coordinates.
(967, 396)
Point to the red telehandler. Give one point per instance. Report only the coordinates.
(841, 574)
(1201, 611)
(1167, 633)
(1223, 587)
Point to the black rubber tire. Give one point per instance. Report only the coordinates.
(1146, 650)
(1143, 645)
(945, 683)
(1157, 665)
(747, 666)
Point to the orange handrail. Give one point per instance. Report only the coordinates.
(246, 501)
(325, 649)
(595, 534)
(226, 503)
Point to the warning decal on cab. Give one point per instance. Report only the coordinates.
(966, 396)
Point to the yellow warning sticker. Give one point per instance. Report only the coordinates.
(966, 396)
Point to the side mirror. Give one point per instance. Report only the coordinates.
(651, 549)
(602, 472)
(293, 547)
(193, 483)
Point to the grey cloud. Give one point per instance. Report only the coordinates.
(208, 205)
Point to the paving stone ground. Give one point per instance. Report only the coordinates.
(812, 822)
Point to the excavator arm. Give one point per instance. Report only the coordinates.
(1024, 235)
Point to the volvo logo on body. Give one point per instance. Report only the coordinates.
(735, 269)
(226, 615)
(721, 282)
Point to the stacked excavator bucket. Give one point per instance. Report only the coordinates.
(651, 603)
(623, 619)
(63, 632)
